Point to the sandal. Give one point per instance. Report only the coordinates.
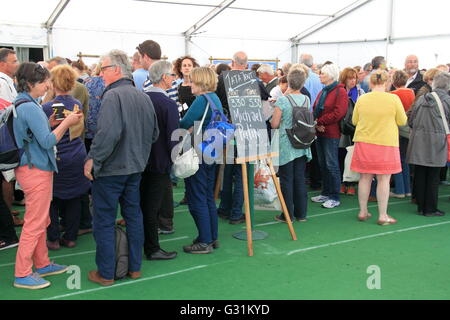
(387, 222)
(365, 217)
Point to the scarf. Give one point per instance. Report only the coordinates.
(321, 104)
(353, 94)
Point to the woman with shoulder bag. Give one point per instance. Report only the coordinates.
(200, 186)
(35, 174)
(428, 144)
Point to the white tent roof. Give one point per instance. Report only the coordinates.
(349, 32)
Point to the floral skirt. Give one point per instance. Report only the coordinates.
(376, 159)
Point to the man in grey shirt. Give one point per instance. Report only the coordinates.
(127, 127)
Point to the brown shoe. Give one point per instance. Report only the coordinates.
(67, 243)
(121, 222)
(134, 275)
(94, 276)
(84, 231)
(15, 212)
(372, 199)
(18, 222)
(53, 245)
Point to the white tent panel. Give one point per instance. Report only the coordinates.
(317, 6)
(368, 22)
(257, 25)
(204, 47)
(28, 36)
(27, 11)
(99, 43)
(413, 18)
(130, 15)
(345, 55)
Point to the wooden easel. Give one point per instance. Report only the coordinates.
(243, 162)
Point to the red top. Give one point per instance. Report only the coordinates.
(334, 110)
(4, 104)
(407, 97)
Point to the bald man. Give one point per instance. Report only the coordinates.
(415, 80)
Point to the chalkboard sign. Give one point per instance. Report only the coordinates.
(245, 107)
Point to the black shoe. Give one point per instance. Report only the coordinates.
(215, 243)
(198, 248)
(238, 221)
(162, 255)
(300, 219)
(438, 213)
(4, 244)
(222, 214)
(166, 231)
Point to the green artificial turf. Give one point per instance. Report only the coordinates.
(413, 257)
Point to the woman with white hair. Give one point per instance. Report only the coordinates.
(330, 107)
(427, 148)
(156, 186)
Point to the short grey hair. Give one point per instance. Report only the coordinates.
(307, 59)
(59, 60)
(119, 59)
(296, 79)
(441, 81)
(158, 70)
(332, 70)
(240, 58)
(265, 68)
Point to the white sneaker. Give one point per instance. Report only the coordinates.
(320, 199)
(329, 204)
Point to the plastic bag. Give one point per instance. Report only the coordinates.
(349, 175)
(264, 187)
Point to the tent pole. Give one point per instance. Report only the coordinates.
(390, 28)
(294, 52)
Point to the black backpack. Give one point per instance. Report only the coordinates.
(346, 124)
(121, 270)
(303, 132)
(10, 153)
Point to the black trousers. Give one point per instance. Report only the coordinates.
(426, 186)
(70, 209)
(156, 198)
(7, 232)
(313, 168)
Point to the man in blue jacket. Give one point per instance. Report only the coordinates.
(127, 127)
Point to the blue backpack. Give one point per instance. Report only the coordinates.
(220, 123)
(10, 153)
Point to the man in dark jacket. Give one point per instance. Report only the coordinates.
(127, 127)
(415, 81)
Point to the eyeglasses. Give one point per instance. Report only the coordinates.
(171, 74)
(106, 67)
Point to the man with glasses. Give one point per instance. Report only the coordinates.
(127, 127)
(415, 81)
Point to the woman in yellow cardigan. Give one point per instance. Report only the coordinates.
(377, 116)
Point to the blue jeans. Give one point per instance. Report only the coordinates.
(107, 192)
(200, 196)
(328, 155)
(402, 179)
(231, 201)
(293, 187)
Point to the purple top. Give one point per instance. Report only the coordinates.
(70, 181)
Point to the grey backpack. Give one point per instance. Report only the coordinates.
(303, 132)
(121, 253)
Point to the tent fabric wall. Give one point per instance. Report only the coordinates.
(96, 26)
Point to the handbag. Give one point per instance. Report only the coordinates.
(186, 164)
(349, 175)
(444, 119)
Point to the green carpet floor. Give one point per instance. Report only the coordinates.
(330, 260)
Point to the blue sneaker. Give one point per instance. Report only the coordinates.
(51, 269)
(33, 281)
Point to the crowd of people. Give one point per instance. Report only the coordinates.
(96, 138)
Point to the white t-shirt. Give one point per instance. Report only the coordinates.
(7, 90)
